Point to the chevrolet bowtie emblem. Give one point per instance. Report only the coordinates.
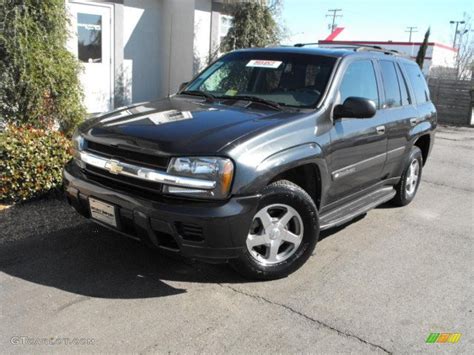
(114, 167)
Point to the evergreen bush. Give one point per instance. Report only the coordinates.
(39, 83)
(253, 25)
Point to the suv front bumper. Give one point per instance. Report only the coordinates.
(212, 230)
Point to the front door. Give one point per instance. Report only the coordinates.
(358, 146)
(91, 42)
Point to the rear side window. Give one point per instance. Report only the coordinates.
(390, 84)
(359, 80)
(406, 98)
(417, 82)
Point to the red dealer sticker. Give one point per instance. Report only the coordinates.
(261, 63)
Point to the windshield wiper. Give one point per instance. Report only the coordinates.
(198, 93)
(257, 99)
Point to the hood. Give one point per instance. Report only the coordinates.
(182, 125)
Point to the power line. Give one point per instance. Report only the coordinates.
(411, 29)
(333, 15)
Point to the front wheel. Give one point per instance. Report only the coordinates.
(282, 235)
(410, 180)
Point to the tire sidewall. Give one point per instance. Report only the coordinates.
(414, 154)
(302, 203)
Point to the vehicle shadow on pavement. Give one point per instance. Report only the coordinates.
(93, 261)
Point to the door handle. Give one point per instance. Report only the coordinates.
(380, 129)
(413, 121)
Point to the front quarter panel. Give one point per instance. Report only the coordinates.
(261, 158)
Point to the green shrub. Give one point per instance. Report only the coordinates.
(253, 25)
(39, 83)
(31, 162)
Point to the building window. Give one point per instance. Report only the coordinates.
(225, 23)
(89, 38)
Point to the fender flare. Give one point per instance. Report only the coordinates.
(290, 158)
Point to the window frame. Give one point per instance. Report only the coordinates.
(328, 89)
(403, 78)
(403, 65)
(379, 63)
(377, 77)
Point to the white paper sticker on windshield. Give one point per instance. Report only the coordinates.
(262, 63)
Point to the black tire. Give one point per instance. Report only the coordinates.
(403, 197)
(289, 194)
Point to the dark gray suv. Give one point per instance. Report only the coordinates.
(257, 154)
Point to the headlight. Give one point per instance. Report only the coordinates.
(219, 170)
(78, 144)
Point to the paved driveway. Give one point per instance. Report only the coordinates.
(379, 284)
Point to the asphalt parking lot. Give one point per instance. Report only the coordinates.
(382, 283)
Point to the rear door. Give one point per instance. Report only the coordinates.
(421, 94)
(400, 114)
(357, 151)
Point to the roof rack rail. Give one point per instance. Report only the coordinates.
(356, 47)
(363, 48)
(305, 44)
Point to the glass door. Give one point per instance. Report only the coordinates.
(91, 42)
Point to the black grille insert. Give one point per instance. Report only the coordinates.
(128, 156)
(142, 188)
(190, 231)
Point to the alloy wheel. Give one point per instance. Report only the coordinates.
(412, 177)
(275, 234)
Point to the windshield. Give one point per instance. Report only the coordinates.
(289, 79)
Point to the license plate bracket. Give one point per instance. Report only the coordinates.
(103, 212)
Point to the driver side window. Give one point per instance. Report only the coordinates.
(359, 80)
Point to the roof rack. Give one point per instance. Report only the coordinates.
(355, 47)
(304, 44)
(363, 48)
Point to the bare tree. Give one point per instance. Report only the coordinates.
(465, 46)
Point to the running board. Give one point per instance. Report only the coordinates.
(355, 208)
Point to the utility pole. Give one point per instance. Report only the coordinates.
(411, 29)
(334, 15)
(456, 32)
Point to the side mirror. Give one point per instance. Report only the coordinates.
(183, 85)
(355, 107)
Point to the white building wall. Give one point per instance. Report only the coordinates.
(166, 43)
(444, 57)
(159, 44)
(202, 34)
(141, 49)
(177, 38)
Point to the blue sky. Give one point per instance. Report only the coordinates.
(377, 20)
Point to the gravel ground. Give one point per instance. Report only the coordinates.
(379, 284)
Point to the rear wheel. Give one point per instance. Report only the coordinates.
(410, 180)
(283, 233)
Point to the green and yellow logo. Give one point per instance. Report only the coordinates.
(443, 338)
